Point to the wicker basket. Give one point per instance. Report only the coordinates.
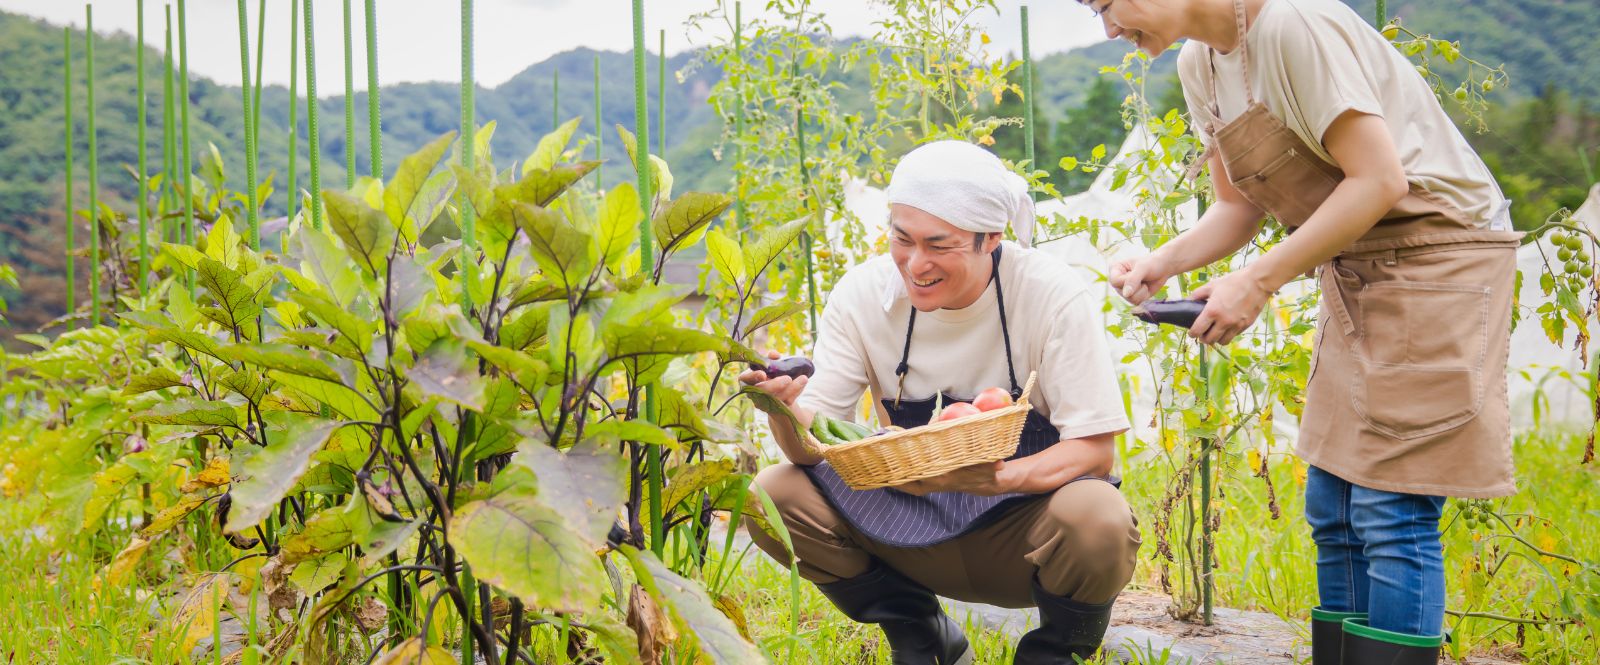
(927, 451)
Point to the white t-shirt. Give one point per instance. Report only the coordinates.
(1054, 330)
(1311, 60)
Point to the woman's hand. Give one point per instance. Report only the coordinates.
(1233, 302)
(1138, 279)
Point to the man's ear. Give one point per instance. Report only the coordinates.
(991, 241)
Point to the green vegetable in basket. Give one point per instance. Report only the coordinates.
(832, 431)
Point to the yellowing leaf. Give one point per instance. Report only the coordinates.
(121, 567)
(216, 474)
(171, 515)
(415, 652)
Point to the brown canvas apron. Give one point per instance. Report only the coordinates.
(1407, 386)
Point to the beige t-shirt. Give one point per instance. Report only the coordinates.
(1311, 60)
(1054, 330)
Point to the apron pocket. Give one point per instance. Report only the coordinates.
(1420, 355)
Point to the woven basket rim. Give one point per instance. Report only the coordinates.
(932, 429)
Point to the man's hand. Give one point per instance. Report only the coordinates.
(782, 388)
(981, 479)
(1233, 302)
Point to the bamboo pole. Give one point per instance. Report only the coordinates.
(94, 173)
(1027, 98)
(294, 107)
(314, 152)
(374, 113)
(738, 120)
(254, 236)
(66, 91)
(184, 159)
(349, 105)
(661, 98)
(641, 120)
(599, 132)
(144, 168)
(169, 147)
(468, 123)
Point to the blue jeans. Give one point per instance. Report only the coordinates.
(1377, 552)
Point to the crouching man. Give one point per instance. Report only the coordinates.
(954, 309)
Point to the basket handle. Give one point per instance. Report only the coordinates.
(1027, 388)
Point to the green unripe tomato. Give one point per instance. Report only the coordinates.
(1572, 267)
(1563, 255)
(1587, 271)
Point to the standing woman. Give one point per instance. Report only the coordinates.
(1310, 116)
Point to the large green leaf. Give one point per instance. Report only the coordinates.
(613, 430)
(324, 262)
(660, 175)
(758, 255)
(618, 225)
(326, 532)
(646, 350)
(541, 187)
(269, 473)
(716, 635)
(357, 331)
(190, 412)
(529, 372)
(155, 379)
(692, 478)
(409, 179)
(773, 313)
(282, 357)
(409, 284)
(526, 328)
(518, 544)
(685, 218)
(675, 412)
(247, 383)
(550, 147)
(727, 259)
(339, 397)
(536, 289)
(586, 485)
(235, 297)
(445, 371)
(560, 249)
(367, 234)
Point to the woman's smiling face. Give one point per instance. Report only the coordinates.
(1148, 27)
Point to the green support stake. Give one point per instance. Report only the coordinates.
(1027, 98)
(469, 123)
(183, 108)
(349, 105)
(738, 120)
(641, 120)
(66, 92)
(811, 205)
(1383, 14)
(1207, 584)
(599, 132)
(661, 98)
(374, 114)
(254, 236)
(144, 168)
(294, 107)
(94, 173)
(169, 148)
(314, 151)
(261, 48)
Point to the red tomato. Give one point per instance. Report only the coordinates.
(958, 410)
(991, 399)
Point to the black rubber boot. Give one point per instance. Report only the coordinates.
(1327, 635)
(918, 631)
(1069, 631)
(1365, 645)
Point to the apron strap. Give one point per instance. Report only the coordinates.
(1244, 59)
(1005, 332)
(904, 367)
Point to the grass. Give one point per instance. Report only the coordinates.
(54, 614)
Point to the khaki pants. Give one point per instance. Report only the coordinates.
(1081, 540)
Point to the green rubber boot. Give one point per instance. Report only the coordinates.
(1365, 645)
(1327, 635)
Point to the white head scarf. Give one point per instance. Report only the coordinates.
(966, 186)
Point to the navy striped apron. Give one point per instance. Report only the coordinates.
(892, 517)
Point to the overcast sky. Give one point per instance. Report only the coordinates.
(419, 40)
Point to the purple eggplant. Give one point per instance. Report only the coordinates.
(793, 367)
(1180, 313)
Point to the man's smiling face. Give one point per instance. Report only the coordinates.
(940, 264)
